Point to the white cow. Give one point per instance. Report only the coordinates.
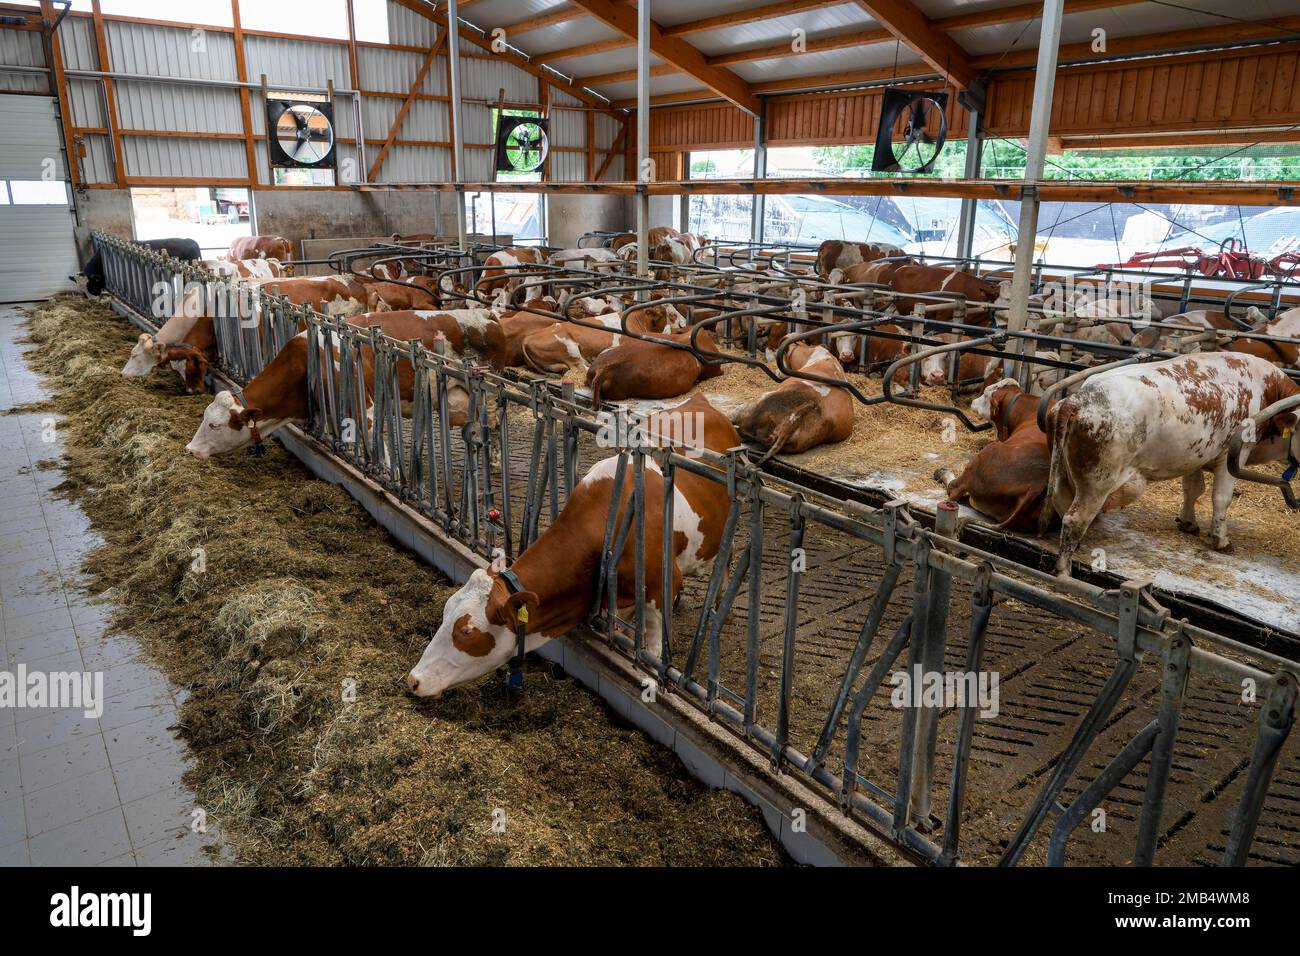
(1153, 422)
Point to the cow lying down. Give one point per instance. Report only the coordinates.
(642, 368)
(556, 575)
(798, 414)
(1153, 422)
(1007, 478)
(278, 395)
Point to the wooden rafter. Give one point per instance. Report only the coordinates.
(677, 52)
(1020, 13)
(823, 81)
(406, 104)
(741, 17)
(1168, 41)
(627, 76)
(912, 27)
(426, 10)
(776, 51)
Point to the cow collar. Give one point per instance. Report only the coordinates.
(257, 448)
(1006, 409)
(515, 676)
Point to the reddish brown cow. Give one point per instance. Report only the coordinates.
(398, 297)
(277, 396)
(655, 235)
(516, 327)
(834, 254)
(798, 414)
(566, 345)
(646, 369)
(261, 247)
(555, 577)
(498, 268)
(1007, 478)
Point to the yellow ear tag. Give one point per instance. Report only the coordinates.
(522, 614)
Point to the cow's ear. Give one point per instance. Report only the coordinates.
(1285, 423)
(521, 608)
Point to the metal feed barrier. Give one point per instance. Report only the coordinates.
(813, 606)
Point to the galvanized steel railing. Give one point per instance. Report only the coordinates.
(495, 482)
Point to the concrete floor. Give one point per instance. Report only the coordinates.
(75, 791)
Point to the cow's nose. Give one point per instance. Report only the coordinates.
(413, 682)
(847, 357)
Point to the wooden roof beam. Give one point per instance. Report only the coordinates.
(912, 27)
(676, 51)
(1219, 36)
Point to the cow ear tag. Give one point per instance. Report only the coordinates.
(522, 614)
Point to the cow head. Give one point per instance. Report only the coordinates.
(984, 405)
(476, 636)
(144, 358)
(225, 428)
(846, 347)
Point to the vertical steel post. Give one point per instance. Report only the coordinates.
(457, 126)
(759, 207)
(642, 138)
(1039, 125)
(969, 207)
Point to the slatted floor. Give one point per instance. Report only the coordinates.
(1050, 672)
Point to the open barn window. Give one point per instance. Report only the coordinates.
(370, 18)
(721, 217)
(312, 18)
(212, 13)
(1215, 241)
(211, 216)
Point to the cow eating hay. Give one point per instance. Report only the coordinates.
(265, 636)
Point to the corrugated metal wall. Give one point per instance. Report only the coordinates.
(22, 48)
(421, 152)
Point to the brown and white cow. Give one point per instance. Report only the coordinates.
(188, 356)
(277, 396)
(398, 296)
(1007, 478)
(643, 368)
(1153, 422)
(558, 348)
(1043, 376)
(498, 268)
(834, 254)
(654, 235)
(557, 573)
(799, 414)
(244, 268)
(340, 295)
(1286, 326)
(261, 247)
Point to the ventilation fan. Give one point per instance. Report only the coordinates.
(522, 144)
(913, 128)
(302, 133)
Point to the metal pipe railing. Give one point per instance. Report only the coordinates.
(494, 483)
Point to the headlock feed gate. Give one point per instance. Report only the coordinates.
(1113, 732)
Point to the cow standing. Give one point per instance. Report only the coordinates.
(554, 579)
(835, 254)
(261, 247)
(1153, 422)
